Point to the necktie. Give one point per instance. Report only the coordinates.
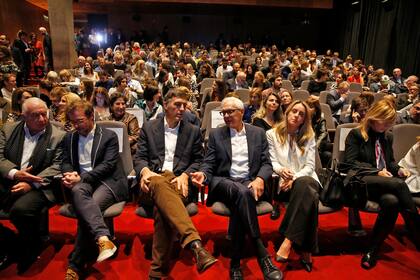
(380, 160)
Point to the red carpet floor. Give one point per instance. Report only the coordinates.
(339, 257)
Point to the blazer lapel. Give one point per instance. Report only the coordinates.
(249, 139)
(95, 146)
(159, 129)
(227, 143)
(181, 140)
(38, 154)
(74, 142)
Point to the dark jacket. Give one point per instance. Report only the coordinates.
(218, 160)
(107, 167)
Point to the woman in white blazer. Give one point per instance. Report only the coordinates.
(292, 149)
(411, 162)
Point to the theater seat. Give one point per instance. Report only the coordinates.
(219, 208)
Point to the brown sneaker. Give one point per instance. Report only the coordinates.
(106, 250)
(202, 257)
(71, 274)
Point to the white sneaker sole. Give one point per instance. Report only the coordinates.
(106, 254)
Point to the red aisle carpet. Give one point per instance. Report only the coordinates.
(339, 257)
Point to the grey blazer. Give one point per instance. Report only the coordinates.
(45, 159)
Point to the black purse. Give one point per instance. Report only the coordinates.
(355, 193)
(332, 187)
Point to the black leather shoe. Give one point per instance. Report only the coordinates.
(202, 257)
(270, 271)
(369, 260)
(236, 274)
(275, 214)
(5, 261)
(306, 265)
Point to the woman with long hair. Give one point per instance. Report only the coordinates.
(286, 99)
(269, 114)
(369, 146)
(253, 105)
(292, 149)
(100, 102)
(218, 92)
(65, 101)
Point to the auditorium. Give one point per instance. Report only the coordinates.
(209, 139)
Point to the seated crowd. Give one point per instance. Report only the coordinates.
(161, 94)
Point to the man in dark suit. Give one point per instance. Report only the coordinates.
(21, 43)
(92, 170)
(235, 168)
(30, 156)
(168, 150)
(337, 98)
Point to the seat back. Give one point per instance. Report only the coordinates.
(118, 73)
(243, 94)
(352, 95)
(125, 152)
(326, 111)
(340, 136)
(404, 138)
(300, 94)
(356, 87)
(323, 96)
(304, 85)
(206, 124)
(206, 83)
(138, 113)
(286, 84)
(378, 96)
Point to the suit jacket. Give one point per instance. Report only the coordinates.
(335, 101)
(45, 159)
(218, 160)
(361, 154)
(151, 149)
(105, 159)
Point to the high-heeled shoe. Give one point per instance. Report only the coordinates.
(369, 260)
(275, 214)
(306, 265)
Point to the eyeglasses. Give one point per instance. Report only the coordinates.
(227, 112)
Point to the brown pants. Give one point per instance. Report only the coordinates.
(170, 216)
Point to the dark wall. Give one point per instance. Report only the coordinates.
(386, 36)
(20, 15)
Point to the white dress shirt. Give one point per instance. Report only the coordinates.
(171, 136)
(85, 151)
(240, 160)
(29, 145)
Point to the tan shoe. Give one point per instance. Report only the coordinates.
(106, 250)
(71, 274)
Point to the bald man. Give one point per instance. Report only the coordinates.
(30, 156)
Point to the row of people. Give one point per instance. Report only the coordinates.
(239, 161)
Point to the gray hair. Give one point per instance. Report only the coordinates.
(237, 103)
(32, 101)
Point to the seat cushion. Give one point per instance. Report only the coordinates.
(219, 208)
(112, 211)
(147, 211)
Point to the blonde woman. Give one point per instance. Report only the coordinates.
(370, 146)
(65, 102)
(292, 149)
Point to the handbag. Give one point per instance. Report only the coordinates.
(355, 192)
(332, 183)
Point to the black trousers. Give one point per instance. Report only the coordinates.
(393, 196)
(300, 222)
(240, 200)
(27, 213)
